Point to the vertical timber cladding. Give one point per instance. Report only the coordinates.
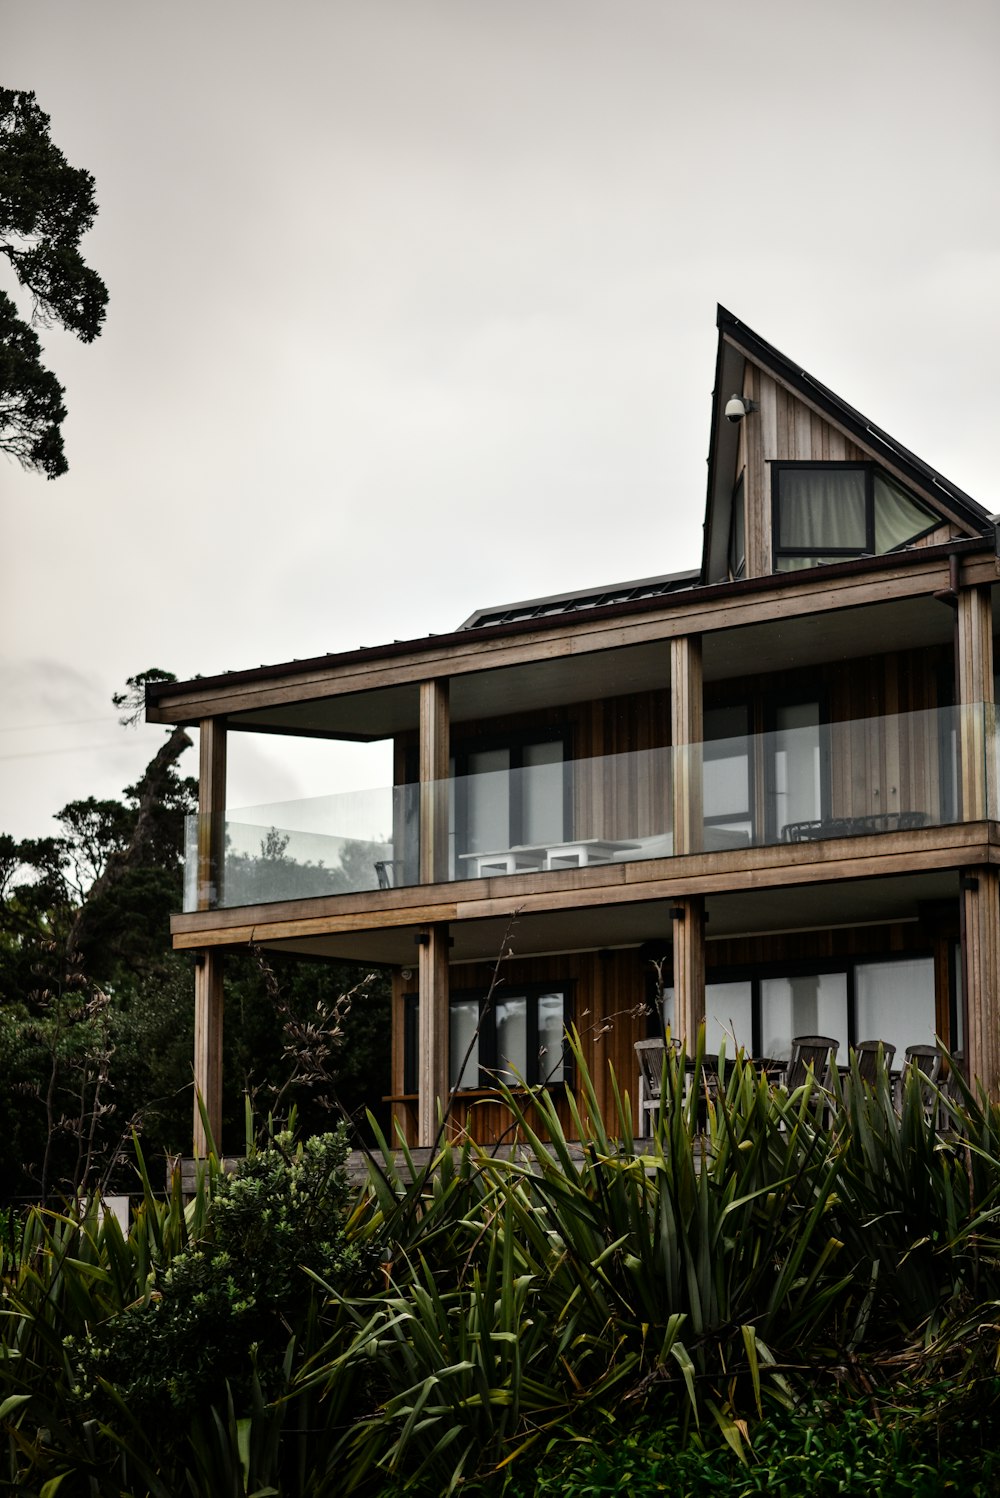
(783, 428)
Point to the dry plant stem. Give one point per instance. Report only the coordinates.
(486, 1008)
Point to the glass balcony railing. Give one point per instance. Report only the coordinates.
(805, 782)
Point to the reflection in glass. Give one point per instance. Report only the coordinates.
(797, 780)
(463, 1023)
(512, 1038)
(803, 1004)
(551, 1022)
(895, 1002)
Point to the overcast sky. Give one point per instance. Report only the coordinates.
(412, 310)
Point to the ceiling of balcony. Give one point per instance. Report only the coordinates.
(863, 902)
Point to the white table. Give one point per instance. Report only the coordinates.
(577, 854)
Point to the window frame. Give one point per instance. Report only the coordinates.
(516, 743)
(818, 555)
(489, 1059)
(757, 974)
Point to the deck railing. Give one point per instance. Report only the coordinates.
(806, 783)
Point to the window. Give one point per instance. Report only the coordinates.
(726, 769)
(785, 765)
(511, 795)
(520, 1040)
(762, 1011)
(828, 512)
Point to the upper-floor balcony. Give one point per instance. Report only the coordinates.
(538, 810)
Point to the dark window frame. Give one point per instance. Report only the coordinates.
(488, 1057)
(836, 553)
(758, 973)
(761, 709)
(516, 742)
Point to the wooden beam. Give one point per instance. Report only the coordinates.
(208, 1006)
(211, 811)
(686, 723)
(689, 968)
(981, 966)
(779, 866)
(433, 1029)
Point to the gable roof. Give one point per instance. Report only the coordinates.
(739, 344)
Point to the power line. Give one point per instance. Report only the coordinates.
(34, 727)
(73, 749)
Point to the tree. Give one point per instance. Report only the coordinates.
(96, 1013)
(46, 206)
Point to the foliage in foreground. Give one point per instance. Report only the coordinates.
(735, 1293)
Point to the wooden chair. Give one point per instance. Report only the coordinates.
(925, 1060)
(651, 1055)
(816, 1051)
(867, 1053)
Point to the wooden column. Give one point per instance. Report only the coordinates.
(686, 725)
(689, 968)
(434, 760)
(974, 683)
(981, 960)
(211, 810)
(433, 1027)
(208, 1048)
(208, 998)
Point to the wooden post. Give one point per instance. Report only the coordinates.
(208, 993)
(211, 811)
(981, 960)
(687, 730)
(208, 1048)
(433, 1027)
(689, 968)
(434, 761)
(974, 680)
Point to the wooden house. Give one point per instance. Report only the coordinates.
(760, 793)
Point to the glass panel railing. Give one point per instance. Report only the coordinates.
(809, 781)
(805, 782)
(556, 815)
(298, 850)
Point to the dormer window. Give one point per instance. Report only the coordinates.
(829, 512)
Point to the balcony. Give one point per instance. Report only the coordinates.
(807, 782)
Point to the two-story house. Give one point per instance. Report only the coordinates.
(762, 793)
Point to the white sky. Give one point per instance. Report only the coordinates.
(412, 311)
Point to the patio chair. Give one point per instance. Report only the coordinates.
(816, 1051)
(651, 1055)
(925, 1060)
(867, 1052)
(383, 871)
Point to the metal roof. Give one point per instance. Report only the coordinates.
(555, 604)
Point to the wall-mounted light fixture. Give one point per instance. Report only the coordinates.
(738, 406)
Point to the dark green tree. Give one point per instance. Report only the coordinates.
(46, 206)
(96, 1012)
